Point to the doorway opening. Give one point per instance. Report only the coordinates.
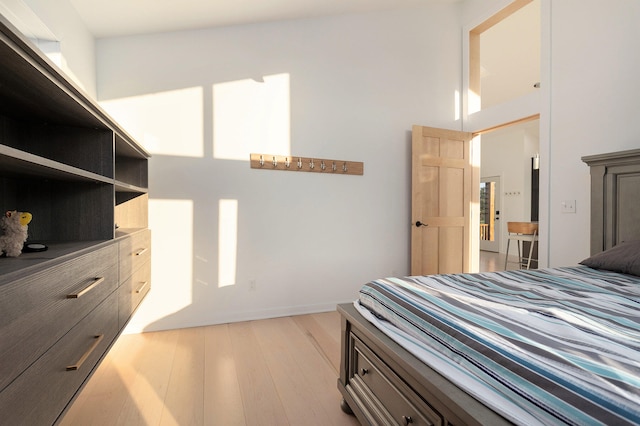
(509, 189)
(490, 202)
(504, 75)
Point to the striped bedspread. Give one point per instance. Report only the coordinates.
(551, 346)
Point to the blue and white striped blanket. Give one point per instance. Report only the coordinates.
(551, 346)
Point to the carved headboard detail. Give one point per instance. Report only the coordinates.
(615, 198)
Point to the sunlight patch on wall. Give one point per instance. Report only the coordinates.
(227, 242)
(473, 102)
(251, 116)
(476, 142)
(165, 123)
(171, 223)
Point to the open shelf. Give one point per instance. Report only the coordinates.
(125, 187)
(27, 263)
(62, 158)
(27, 77)
(126, 147)
(81, 147)
(131, 172)
(16, 163)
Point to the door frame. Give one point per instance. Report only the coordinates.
(537, 105)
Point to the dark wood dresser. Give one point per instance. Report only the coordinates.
(84, 180)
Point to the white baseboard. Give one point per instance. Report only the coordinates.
(184, 321)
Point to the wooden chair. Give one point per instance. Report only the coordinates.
(522, 231)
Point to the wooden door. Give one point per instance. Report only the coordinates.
(445, 202)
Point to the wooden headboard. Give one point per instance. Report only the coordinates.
(615, 198)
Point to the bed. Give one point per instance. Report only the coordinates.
(551, 346)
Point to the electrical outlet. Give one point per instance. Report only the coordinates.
(568, 206)
(252, 285)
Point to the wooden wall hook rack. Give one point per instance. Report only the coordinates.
(295, 163)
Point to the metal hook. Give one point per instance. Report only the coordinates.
(311, 165)
(333, 166)
(299, 162)
(275, 161)
(322, 165)
(261, 161)
(287, 163)
(344, 167)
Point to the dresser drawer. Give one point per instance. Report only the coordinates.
(132, 291)
(39, 309)
(40, 394)
(394, 401)
(135, 250)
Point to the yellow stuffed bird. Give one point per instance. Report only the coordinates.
(14, 225)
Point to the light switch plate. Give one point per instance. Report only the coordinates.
(568, 206)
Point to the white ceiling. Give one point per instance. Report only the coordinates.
(127, 17)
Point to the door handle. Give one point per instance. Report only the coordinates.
(419, 224)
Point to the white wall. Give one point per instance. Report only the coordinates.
(356, 85)
(594, 107)
(475, 12)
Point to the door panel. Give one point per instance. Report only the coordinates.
(444, 197)
(429, 250)
(452, 239)
(452, 197)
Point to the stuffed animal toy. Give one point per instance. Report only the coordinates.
(14, 225)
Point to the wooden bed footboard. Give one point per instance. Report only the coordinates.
(383, 384)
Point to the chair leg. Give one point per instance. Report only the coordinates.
(506, 257)
(533, 239)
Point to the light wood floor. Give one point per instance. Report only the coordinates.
(491, 262)
(280, 371)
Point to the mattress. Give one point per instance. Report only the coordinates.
(551, 346)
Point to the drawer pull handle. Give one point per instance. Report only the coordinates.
(363, 371)
(142, 287)
(407, 420)
(85, 290)
(141, 252)
(98, 338)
